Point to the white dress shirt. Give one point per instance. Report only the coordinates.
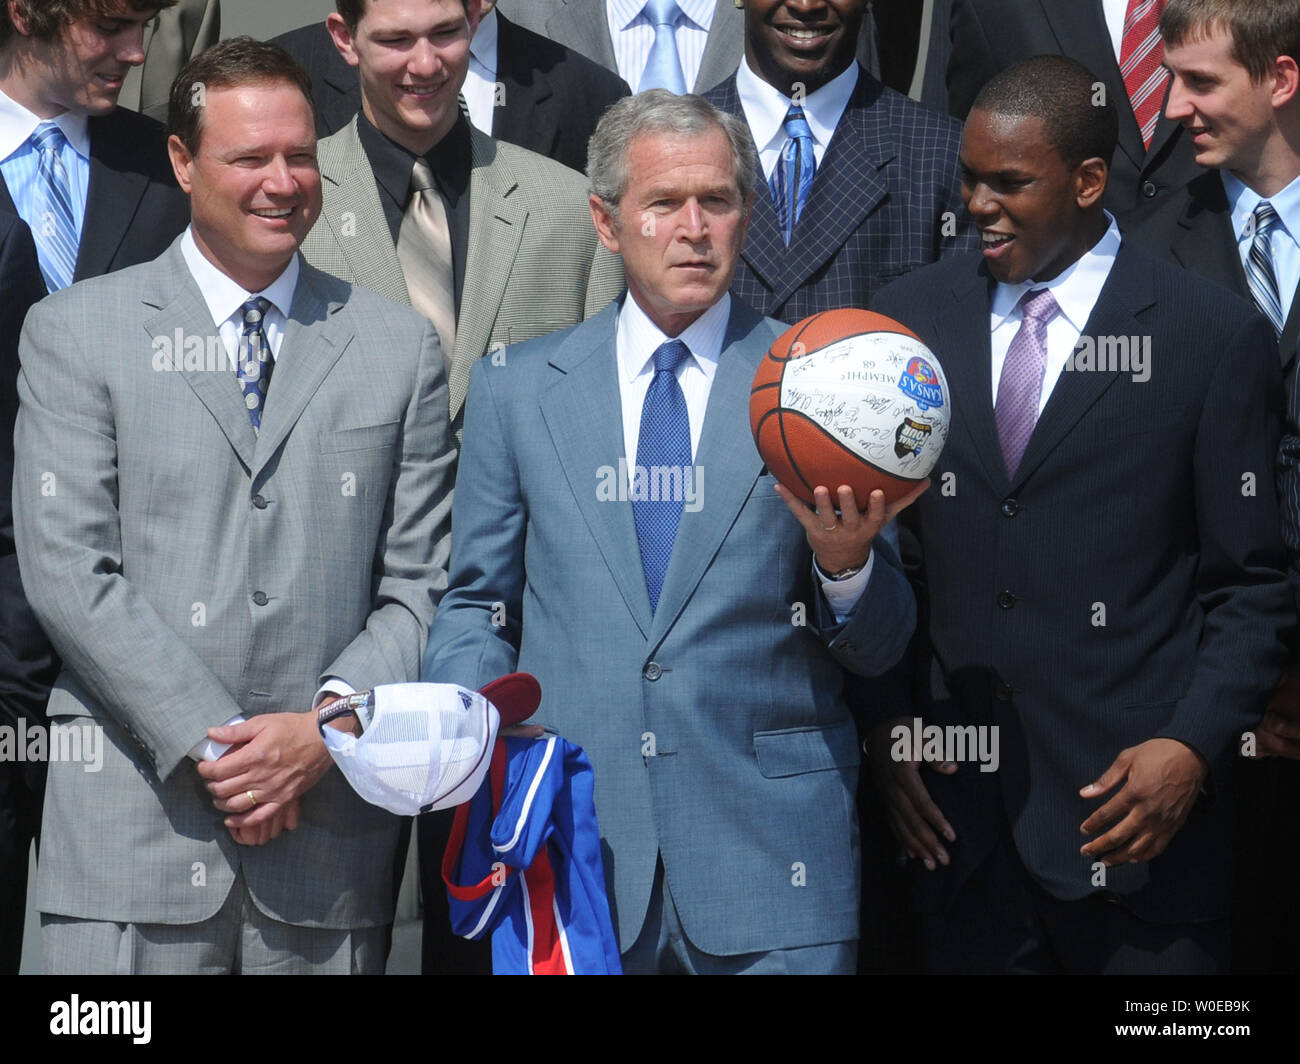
(224, 298)
(765, 109)
(636, 339)
(1075, 289)
(480, 88)
(633, 36)
(1114, 12)
(1281, 241)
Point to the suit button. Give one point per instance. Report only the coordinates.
(261, 598)
(1149, 189)
(652, 671)
(1006, 599)
(259, 501)
(1002, 692)
(1010, 507)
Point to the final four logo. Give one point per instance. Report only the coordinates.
(911, 437)
(920, 382)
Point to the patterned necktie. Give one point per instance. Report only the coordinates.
(663, 66)
(424, 250)
(54, 229)
(1260, 274)
(663, 446)
(253, 364)
(1021, 383)
(792, 177)
(1141, 52)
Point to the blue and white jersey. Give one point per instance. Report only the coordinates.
(523, 862)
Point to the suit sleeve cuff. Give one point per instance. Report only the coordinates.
(842, 596)
(332, 686)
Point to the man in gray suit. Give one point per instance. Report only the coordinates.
(213, 559)
(682, 636)
(490, 241)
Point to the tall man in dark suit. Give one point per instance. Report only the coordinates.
(858, 183)
(91, 179)
(1236, 90)
(97, 194)
(545, 97)
(971, 40)
(1103, 579)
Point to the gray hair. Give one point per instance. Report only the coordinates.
(660, 111)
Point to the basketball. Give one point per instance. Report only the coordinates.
(850, 397)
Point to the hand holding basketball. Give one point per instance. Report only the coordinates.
(843, 541)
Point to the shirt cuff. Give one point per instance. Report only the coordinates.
(842, 596)
(332, 686)
(210, 750)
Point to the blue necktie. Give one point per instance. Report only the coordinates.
(1260, 275)
(253, 364)
(664, 444)
(663, 66)
(54, 228)
(792, 176)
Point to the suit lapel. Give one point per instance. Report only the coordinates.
(971, 377)
(726, 467)
(356, 216)
(496, 229)
(1081, 33)
(181, 315)
(1204, 241)
(535, 121)
(583, 25)
(1126, 293)
(722, 48)
(314, 339)
(112, 199)
(583, 414)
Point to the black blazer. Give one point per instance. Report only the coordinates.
(27, 663)
(552, 97)
(1124, 585)
(134, 209)
(971, 40)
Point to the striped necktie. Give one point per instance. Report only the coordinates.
(1141, 53)
(792, 177)
(1260, 274)
(54, 228)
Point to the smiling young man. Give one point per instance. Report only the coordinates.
(249, 522)
(1104, 575)
(90, 179)
(1235, 87)
(491, 242)
(659, 626)
(859, 184)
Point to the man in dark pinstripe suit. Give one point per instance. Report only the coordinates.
(884, 196)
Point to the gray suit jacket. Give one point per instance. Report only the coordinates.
(178, 34)
(187, 569)
(716, 725)
(534, 263)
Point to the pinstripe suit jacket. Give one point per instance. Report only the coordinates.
(1127, 583)
(187, 569)
(534, 263)
(885, 200)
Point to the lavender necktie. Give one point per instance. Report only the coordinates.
(1021, 383)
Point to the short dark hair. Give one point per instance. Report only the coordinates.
(1261, 30)
(1078, 116)
(352, 10)
(45, 19)
(227, 64)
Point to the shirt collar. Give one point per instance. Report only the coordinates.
(223, 295)
(1075, 288)
(766, 106)
(17, 124)
(1243, 200)
(483, 45)
(622, 13)
(638, 337)
(450, 160)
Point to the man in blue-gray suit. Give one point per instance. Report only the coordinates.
(618, 535)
